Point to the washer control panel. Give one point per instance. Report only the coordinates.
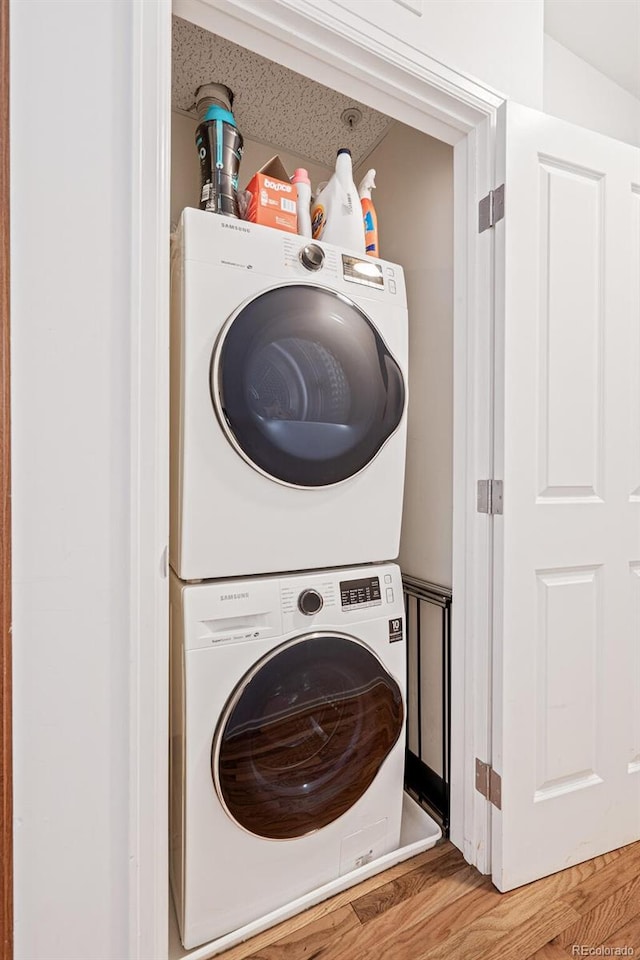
(338, 599)
(296, 598)
(364, 592)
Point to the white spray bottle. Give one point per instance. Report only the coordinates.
(336, 213)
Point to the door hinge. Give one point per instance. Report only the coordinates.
(489, 783)
(490, 496)
(491, 209)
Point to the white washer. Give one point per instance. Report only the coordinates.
(289, 369)
(287, 738)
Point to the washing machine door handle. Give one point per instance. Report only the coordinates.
(395, 391)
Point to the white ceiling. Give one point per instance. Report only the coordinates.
(272, 104)
(605, 33)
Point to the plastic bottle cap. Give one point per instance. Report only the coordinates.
(301, 176)
(344, 150)
(209, 94)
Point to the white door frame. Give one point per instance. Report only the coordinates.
(329, 43)
(149, 504)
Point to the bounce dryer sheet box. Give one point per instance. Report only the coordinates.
(273, 197)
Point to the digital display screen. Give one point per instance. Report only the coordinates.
(358, 593)
(362, 271)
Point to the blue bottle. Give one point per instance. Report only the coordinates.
(219, 144)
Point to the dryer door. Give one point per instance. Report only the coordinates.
(304, 734)
(304, 386)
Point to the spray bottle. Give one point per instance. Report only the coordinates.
(336, 214)
(369, 215)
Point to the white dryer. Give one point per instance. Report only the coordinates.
(289, 368)
(287, 738)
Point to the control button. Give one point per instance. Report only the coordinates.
(387, 578)
(391, 285)
(389, 595)
(312, 256)
(390, 272)
(309, 602)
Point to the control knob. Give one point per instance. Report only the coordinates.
(312, 256)
(310, 602)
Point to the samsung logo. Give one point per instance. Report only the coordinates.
(233, 226)
(234, 596)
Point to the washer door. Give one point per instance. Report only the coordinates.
(304, 734)
(305, 387)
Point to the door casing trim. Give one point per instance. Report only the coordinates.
(6, 781)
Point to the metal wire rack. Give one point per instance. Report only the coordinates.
(428, 757)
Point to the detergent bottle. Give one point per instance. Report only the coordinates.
(303, 203)
(336, 213)
(367, 184)
(219, 145)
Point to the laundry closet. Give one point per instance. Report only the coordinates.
(304, 123)
(521, 488)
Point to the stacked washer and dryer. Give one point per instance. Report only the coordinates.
(288, 660)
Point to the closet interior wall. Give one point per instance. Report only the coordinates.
(414, 204)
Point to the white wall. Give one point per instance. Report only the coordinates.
(502, 44)
(414, 203)
(498, 43)
(576, 91)
(185, 166)
(70, 267)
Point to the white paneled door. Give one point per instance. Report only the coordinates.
(566, 705)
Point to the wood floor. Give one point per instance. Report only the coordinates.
(437, 907)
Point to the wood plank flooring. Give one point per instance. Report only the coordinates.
(437, 907)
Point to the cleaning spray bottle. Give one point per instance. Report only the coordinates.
(336, 214)
(369, 215)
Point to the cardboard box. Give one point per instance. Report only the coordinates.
(273, 197)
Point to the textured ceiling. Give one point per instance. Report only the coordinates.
(272, 103)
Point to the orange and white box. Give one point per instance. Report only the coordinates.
(273, 197)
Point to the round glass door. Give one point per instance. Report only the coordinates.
(305, 387)
(304, 734)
